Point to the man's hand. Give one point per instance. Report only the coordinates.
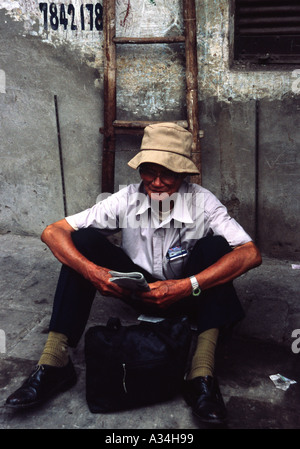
(164, 293)
(100, 278)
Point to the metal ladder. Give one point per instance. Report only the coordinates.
(112, 126)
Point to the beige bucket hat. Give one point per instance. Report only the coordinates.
(166, 144)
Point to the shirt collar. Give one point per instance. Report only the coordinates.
(145, 203)
(182, 207)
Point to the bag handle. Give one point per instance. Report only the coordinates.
(160, 333)
(114, 324)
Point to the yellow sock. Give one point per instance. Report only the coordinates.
(204, 357)
(55, 352)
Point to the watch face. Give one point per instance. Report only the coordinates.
(194, 282)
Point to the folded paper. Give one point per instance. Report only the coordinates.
(131, 281)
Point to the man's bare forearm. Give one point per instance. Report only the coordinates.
(230, 266)
(57, 237)
(227, 268)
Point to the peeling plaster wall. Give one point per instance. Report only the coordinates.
(250, 118)
(32, 16)
(162, 17)
(141, 71)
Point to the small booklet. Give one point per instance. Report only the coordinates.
(132, 281)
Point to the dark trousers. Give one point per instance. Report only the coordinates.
(218, 307)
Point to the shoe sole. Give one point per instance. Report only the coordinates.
(62, 388)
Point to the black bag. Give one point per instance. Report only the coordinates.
(131, 366)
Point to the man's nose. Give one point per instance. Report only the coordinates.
(157, 181)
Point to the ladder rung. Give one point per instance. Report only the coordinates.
(137, 127)
(149, 40)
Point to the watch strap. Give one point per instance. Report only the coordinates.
(195, 286)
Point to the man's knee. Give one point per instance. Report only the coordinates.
(214, 244)
(86, 240)
(206, 252)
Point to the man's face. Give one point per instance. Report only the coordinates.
(159, 182)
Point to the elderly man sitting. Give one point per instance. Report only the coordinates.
(179, 236)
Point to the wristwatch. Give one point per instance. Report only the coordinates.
(195, 286)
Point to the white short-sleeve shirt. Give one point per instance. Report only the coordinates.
(147, 238)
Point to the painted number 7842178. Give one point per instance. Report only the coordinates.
(55, 16)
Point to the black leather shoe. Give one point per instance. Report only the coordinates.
(204, 396)
(42, 385)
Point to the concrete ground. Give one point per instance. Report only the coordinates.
(261, 346)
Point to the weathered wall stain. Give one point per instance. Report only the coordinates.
(126, 13)
(161, 17)
(80, 30)
(2, 82)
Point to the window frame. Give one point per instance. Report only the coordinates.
(262, 49)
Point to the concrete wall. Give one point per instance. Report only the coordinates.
(37, 70)
(250, 118)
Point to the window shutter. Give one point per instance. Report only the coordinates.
(267, 31)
